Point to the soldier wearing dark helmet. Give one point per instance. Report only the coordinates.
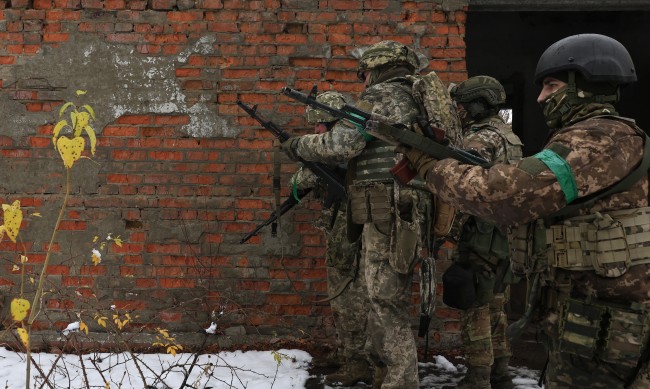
(482, 249)
(389, 218)
(580, 216)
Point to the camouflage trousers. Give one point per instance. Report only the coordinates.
(350, 310)
(392, 343)
(483, 332)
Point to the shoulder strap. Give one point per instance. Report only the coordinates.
(620, 186)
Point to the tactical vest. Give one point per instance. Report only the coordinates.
(513, 149)
(608, 243)
(481, 237)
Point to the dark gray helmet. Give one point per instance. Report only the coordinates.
(598, 58)
(387, 53)
(489, 88)
(330, 98)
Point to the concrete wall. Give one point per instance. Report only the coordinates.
(181, 173)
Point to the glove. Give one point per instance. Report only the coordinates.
(421, 161)
(290, 147)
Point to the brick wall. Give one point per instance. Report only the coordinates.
(181, 173)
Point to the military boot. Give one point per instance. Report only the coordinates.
(378, 377)
(500, 377)
(477, 377)
(353, 371)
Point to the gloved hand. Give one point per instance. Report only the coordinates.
(421, 161)
(290, 146)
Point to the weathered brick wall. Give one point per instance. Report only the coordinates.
(181, 173)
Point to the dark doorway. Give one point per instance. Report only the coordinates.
(507, 45)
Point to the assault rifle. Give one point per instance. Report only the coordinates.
(332, 179)
(431, 143)
(289, 203)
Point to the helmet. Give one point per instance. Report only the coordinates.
(598, 58)
(473, 88)
(331, 99)
(387, 53)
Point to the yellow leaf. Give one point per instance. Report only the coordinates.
(64, 107)
(108, 385)
(92, 137)
(80, 92)
(24, 336)
(15, 268)
(164, 333)
(83, 327)
(90, 110)
(19, 308)
(31, 279)
(118, 241)
(171, 350)
(82, 120)
(95, 238)
(36, 214)
(102, 321)
(70, 149)
(13, 217)
(23, 259)
(57, 129)
(96, 258)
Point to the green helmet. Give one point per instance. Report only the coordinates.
(387, 53)
(474, 88)
(331, 99)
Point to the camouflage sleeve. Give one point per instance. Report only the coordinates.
(334, 147)
(303, 178)
(486, 142)
(513, 194)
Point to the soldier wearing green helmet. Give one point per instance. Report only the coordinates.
(348, 294)
(578, 213)
(390, 219)
(482, 248)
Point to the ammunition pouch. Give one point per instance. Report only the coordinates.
(459, 286)
(606, 243)
(402, 210)
(602, 331)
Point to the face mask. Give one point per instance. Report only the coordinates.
(554, 107)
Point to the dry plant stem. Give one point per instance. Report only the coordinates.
(39, 290)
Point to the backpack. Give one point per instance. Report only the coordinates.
(437, 108)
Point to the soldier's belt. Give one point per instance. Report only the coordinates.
(608, 243)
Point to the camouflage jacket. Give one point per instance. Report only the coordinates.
(600, 152)
(390, 98)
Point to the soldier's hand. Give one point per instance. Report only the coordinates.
(421, 161)
(290, 146)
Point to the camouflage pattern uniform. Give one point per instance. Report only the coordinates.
(592, 261)
(348, 293)
(482, 247)
(389, 218)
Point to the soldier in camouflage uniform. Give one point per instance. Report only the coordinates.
(580, 216)
(482, 248)
(389, 218)
(349, 296)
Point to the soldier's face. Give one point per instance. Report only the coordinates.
(366, 78)
(320, 128)
(549, 86)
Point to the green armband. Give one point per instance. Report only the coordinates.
(294, 190)
(562, 172)
(360, 128)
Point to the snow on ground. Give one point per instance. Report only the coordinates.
(251, 370)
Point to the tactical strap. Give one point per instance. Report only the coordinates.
(621, 186)
(276, 185)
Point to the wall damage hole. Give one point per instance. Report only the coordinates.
(132, 224)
